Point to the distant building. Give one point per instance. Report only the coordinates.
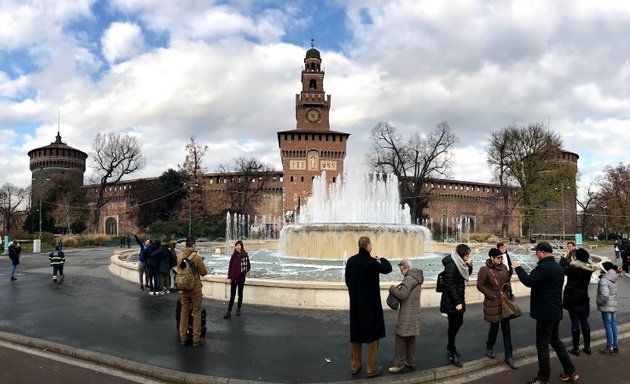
(307, 150)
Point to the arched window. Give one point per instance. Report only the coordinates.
(111, 227)
(312, 84)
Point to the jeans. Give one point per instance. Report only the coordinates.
(455, 322)
(610, 325)
(13, 270)
(579, 320)
(233, 288)
(507, 336)
(547, 334)
(143, 272)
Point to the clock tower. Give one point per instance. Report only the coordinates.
(311, 147)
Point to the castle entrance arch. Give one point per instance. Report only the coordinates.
(111, 226)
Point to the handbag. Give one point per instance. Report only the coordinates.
(392, 302)
(509, 307)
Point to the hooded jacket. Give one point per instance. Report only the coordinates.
(575, 297)
(408, 293)
(607, 292)
(200, 267)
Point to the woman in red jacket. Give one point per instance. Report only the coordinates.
(239, 266)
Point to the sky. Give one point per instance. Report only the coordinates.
(227, 72)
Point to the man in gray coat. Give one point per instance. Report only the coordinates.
(408, 324)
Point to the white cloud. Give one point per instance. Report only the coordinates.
(122, 41)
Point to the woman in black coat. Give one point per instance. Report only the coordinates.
(14, 255)
(575, 298)
(457, 269)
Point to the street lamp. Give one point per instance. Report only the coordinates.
(605, 222)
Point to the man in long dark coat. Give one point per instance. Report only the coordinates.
(367, 324)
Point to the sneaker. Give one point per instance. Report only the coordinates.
(395, 369)
(152, 293)
(538, 380)
(607, 350)
(616, 349)
(572, 377)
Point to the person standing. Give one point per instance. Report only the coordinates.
(506, 258)
(624, 250)
(494, 279)
(617, 251)
(57, 260)
(546, 282)
(239, 266)
(191, 298)
(367, 324)
(408, 323)
(457, 269)
(607, 304)
(14, 254)
(575, 298)
(142, 269)
(570, 253)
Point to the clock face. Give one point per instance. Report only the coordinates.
(313, 115)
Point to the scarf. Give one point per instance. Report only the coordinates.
(461, 265)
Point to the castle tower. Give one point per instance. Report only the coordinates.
(311, 147)
(55, 162)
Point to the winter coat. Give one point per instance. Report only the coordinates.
(607, 292)
(575, 298)
(143, 248)
(367, 323)
(408, 293)
(545, 282)
(153, 254)
(56, 258)
(14, 254)
(454, 287)
(200, 267)
(239, 266)
(164, 265)
(487, 285)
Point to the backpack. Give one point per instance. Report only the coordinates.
(439, 282)
(186, 274)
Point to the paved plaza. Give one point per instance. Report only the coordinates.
(105, 322)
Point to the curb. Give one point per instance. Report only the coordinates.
(179, 377)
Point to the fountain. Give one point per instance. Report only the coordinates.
(336, 215)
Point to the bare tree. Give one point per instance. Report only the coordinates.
(528, 158)
(613, 200)
(113, 156)
(413, 161)
(586, 204)
(247, 180)
(194, 170)
(11, 199)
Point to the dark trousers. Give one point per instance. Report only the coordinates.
(579, 320)
(455, 322)
(547, 334)
(507, 336)
(233, 288)
(154, 280)
(58, 270)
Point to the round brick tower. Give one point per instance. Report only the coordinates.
(55, 162)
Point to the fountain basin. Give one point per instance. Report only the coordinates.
(338, 241)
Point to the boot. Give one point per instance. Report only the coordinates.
(490, 353)
(575, 334)
(228, 314)
(510, 362)
(587, 340)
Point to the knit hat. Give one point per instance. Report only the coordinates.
(582, 255)
(607, 266)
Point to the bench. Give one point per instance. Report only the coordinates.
(593, 246)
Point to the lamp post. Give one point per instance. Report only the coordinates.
(605, 222)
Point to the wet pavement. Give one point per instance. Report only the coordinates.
(92, 310)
